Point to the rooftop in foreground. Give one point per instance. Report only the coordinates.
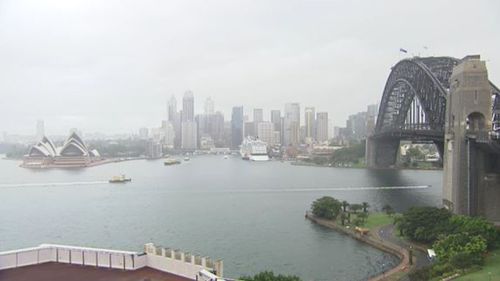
(53, 271)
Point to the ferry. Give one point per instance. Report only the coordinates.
(186, 159)
(119, 179)
(254, 150)
(171, 161)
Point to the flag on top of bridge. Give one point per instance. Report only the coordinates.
(403, 50)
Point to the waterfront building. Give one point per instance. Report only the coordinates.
(153, 149)
(206, 143)
(310, 120)
(265, 132)
(236, 127)
(168, 134)
(322, 126)
(73, 153)
(291, 124)
(216, 128)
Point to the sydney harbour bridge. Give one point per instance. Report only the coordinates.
(449, 102)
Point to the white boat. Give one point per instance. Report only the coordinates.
(254, 149)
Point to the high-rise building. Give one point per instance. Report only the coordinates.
(322, 126)
(40, 129)
(371, 118)
(249, 129)
(189, 134)
(188, 106)
(310, 120)
(209, 106)
(236, 127)
(276, 119)
(153, 149)
(265, 132)
(258, 115)
(216, 128)
(171, 109)
(168, 134)
(291, 124)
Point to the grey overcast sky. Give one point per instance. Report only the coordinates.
(110, 66)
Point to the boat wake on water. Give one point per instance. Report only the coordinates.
(49, 184)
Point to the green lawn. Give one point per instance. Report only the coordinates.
(490, 270)
(377, 219)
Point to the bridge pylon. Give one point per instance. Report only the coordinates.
(471, 178)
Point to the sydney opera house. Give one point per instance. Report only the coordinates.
(73, 153)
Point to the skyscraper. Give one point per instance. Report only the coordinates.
(258, 115)
(291, 124)
(265, 132)
(236, 126)
(188, 106)
(276, 119)
(322, 126)
(40, 129)
(310, 120)
(171, 109)
(189, 136)
(209, 106)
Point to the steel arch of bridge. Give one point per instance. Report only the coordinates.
(424, 79)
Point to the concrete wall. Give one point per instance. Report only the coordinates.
(167, 260)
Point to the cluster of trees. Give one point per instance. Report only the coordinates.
(460, 242)
(330, 208)
(119, 148)
(349, 155)
(270, 276)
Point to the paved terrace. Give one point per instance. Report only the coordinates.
(53, 271)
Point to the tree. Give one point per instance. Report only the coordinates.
(343, 218)
(365, 206)
(326, 207)
(424, 224)
(345, 204)
(475, 226)
(388, 209)
(270, 276)
(461, 250)
(362, 216)
(356, 207)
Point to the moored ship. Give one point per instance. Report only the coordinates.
(254, 149)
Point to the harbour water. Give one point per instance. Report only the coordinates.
(249, 214)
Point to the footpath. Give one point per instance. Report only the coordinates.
(383, 239)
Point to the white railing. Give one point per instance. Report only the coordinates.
(166, 260)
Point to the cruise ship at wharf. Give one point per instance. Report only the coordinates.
(49, 262)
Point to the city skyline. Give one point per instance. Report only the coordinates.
(117, 75)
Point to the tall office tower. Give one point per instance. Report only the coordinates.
(291, 124)
(174, 118)
(189, 128)
(188, 106)
(265, 132)
(171, 109)
(216, 128)
(189, 135)
(40, 129)
(310, 120)
(276, 119)
(249, 129)
(236, 127)
(168, 134)
(322, 126)
(209, 106)
(258, 115)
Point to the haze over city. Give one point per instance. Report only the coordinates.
(111, 66)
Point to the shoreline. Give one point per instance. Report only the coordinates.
(371, 240)
(307, 164)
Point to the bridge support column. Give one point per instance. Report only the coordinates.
(381, 152)
(468, 187)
